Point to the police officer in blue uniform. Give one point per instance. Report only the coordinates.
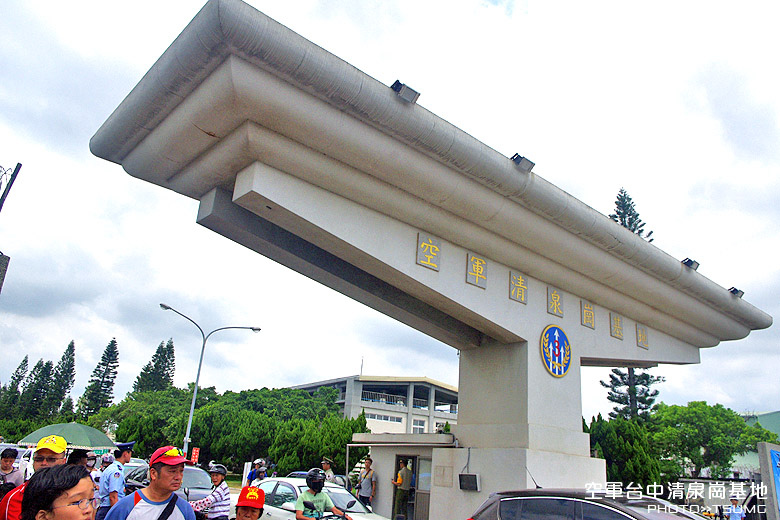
(112, 482)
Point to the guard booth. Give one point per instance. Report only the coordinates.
(303, 158)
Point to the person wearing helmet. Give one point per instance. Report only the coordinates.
(315, 479)
(257, 473)
(218, 502)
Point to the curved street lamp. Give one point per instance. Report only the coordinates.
(197, 377)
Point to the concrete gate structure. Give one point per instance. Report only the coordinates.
(301, 157)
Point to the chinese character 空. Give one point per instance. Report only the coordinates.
(430, 250)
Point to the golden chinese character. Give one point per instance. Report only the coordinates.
(430, 250)
(588, 316)
(477, 269)
(555, 303)
(517, 287)
(617, 326)
(641, 337)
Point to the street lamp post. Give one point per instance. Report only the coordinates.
(200, 363)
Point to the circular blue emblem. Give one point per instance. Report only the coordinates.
(556, 351)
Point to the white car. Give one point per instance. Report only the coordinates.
(282, 493)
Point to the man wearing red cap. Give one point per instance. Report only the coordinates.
(49, 452)
(158, 501)
(250, 503)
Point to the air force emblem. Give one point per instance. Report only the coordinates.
(556, 351)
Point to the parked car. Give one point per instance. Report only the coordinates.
(576, 504)
(196, 483)
(341, 480)
(282, 493)
(134, 463)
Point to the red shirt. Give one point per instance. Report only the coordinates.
(11, 505)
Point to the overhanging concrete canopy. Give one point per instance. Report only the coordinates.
(239, 99)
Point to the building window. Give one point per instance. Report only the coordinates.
(380, 417)
(418, 426)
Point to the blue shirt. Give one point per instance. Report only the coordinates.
(137, 507)
(113, 479)
(734, 512)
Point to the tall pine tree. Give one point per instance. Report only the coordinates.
(100, 389)
(630, 389)
(631, 392)
(157, 375)
(9, 394)
(34, 398)
(627, 216)
(62, 380)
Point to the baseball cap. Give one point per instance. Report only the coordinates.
(54, 443)
(170, 455)
(251, 497)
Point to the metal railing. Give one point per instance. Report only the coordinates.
(377, 397)
(446, 407)
(422, 404)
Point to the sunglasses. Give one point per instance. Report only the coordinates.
(50, 460)
(83, 504)
(173, 452)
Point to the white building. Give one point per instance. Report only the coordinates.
(395, 404)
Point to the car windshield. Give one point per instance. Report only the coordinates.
(195, 478)
(340, 498)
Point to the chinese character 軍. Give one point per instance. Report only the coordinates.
(614, 490)
(476, 273)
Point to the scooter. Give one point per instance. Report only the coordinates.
(308, 504)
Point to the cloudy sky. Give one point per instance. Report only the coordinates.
(676, 102)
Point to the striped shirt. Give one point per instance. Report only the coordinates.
(218, 502)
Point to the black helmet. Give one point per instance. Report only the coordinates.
(315, 479)
(218, 468)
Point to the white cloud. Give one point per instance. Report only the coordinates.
(674, 102)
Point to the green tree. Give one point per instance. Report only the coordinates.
(627, 216)
(631, 392)
(100, 390)
(9, 394)
(37, 388)
(630, 389)
(699, 436)
(158, 374)
(62, 380)
(625, 447)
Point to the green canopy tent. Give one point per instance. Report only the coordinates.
(77, 435)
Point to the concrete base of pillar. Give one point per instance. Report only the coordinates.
(503, 469)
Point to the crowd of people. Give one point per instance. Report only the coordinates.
(74, 488)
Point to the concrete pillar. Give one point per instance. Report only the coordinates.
(431, 409)
(508, 399)
(409, 407)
